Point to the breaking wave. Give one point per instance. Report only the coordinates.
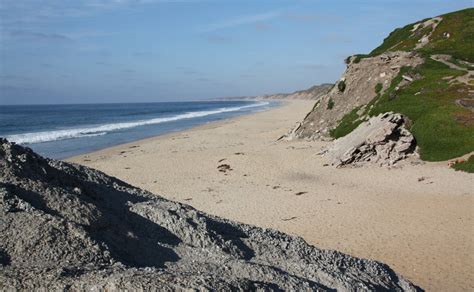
(46, 136)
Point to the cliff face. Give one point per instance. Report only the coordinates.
(360, 80)
(65, 226)
(424, 71)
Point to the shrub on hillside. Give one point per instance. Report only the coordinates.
(341, 85)
(378, 88)
(330, 104)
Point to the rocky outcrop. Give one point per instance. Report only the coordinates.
(382, 140)
(360, 80)
(65, 226)
(423, 70)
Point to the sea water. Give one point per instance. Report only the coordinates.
(61, 131)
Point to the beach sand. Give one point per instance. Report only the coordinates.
(418, 218)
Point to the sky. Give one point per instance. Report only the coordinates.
(101, 51)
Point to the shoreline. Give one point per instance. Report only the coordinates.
(209, 123)
(407, 217)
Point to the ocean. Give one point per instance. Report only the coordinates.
(62, 131)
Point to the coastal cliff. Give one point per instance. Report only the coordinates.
(423, 71)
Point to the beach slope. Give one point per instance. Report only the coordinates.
(417, 218)
(69, 227)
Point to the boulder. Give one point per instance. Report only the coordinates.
(383, 140)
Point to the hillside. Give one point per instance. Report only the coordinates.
(312, 93)
(424, 71)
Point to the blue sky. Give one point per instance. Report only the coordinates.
(72, 51)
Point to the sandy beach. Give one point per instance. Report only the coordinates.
(417, 218)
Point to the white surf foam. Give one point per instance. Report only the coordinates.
(46, 136)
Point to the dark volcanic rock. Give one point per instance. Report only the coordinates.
(65, 226)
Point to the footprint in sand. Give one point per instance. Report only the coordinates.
(224, 168)
(424, 179)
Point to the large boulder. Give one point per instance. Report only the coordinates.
(66, 226)
(382, 140)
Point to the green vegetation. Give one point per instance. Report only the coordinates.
(330, 104)
(461, 64)
(341, 85)
(401, 39)
(459, 25)
(352, 120)
(357, 58)
(443, 129)
(378, 88)
(467, 166)
(348, 123)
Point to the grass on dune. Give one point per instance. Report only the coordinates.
(442, 129)
(348, 123)
(439, 125)
(460, 26)
(459, 44)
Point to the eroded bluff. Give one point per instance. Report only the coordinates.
(360, 81)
